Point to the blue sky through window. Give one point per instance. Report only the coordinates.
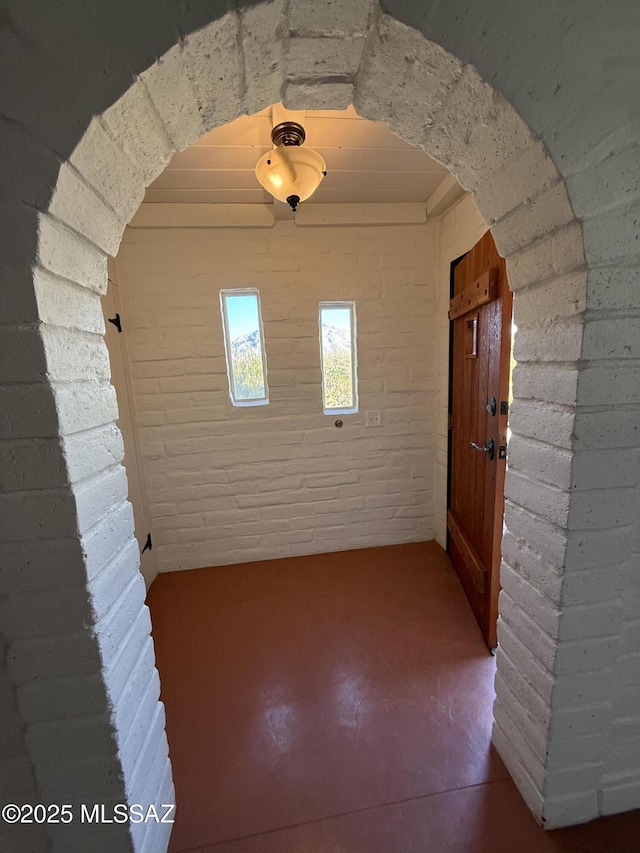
(338, 317)
(246, 364)
(242, 314)
(338, 357)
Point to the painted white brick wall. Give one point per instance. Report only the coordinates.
(64, 70)
(229, 484)
(128, 424)
(17, 780)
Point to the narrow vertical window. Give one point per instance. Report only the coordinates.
(338, 355)
(244, 347)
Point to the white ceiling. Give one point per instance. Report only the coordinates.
(365, 161)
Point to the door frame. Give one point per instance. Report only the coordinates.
(452, 269)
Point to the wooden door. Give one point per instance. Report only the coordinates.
(480, 314)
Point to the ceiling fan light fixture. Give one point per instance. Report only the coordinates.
(289, 172)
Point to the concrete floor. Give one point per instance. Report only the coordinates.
(340, 703)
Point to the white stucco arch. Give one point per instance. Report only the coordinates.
(312, 56)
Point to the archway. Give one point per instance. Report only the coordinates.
(316, 57)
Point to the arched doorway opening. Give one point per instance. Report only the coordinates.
(445, 106)
(238, 485)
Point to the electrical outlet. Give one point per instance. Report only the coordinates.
(373, 419)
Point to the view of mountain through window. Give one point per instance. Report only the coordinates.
(338, 352)
(243, 338)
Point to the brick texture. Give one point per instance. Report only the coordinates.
(229, 484)
(568, 724)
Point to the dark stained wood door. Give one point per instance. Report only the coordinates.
(480, 313)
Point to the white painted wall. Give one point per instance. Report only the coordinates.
(228, 484)
(96, 106)
(128, 422)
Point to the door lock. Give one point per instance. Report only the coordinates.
(490, 448)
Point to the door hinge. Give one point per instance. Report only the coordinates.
(148, 545)
(450, 421)
(116, 322)
(504, 407)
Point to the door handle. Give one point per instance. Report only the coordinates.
(490, 448)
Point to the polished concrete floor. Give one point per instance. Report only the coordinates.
(340, 703)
